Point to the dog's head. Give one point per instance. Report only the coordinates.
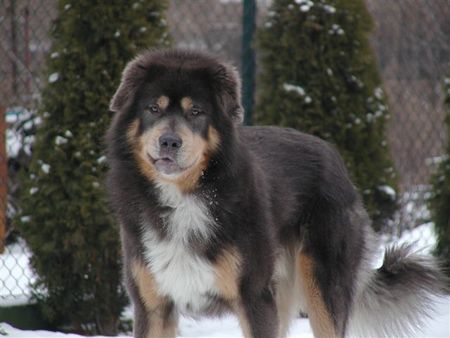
(175, 104)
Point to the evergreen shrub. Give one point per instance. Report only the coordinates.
(64, 214)
(319, 75)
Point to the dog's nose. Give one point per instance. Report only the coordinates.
(170, 141)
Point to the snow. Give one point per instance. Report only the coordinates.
(388, 190)
(336, 29)
(293, 88)
(15, 275)
(304, 5)
(20, 120)
(435, 160)
(422, 236)
(305, 8)
(14, 142)
(378, 92)
(11, 118)
(45, 168)
(25, 219)
(228, 327)
(101, 159)
(329, 9)
(59, 140)
(53, 77)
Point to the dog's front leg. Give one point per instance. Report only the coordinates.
(257, 312)
(154, 316)
(156, 323)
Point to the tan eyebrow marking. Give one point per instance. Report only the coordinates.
(186, 103)
(163, 102)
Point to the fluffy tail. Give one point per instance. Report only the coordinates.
(394, 300)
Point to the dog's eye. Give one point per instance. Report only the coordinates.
(152, 108)
(195, 111)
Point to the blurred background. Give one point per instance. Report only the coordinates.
(410, 40)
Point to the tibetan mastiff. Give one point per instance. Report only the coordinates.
(262, 222)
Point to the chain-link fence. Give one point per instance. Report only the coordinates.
(411, 40)
(24, 44)
(412, 44)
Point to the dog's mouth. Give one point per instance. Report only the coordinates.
(166, 164)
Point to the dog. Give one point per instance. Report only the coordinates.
(261, 222)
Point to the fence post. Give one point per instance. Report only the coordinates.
(14, 48)
(3, 178)
(248, 58)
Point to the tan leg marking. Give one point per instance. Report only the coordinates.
(284, 308)
(288, 292)
(243, 322)
(319, 317)
(227, 270)
(160, 322)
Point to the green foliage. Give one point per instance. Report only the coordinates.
(319, 76)
(65, 218)
(440, 201)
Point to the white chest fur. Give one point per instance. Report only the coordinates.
(179, 273)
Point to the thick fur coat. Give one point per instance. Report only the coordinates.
(259, 221)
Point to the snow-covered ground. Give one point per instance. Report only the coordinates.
(228, 327)
(13, 266)
(423, 237)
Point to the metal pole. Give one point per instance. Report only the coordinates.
(15, 74)
(3, 179)
(248, 58)
(27, 54)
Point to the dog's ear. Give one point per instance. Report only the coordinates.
(228, 89)
(132, 77)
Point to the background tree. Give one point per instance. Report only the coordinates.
(65, 219)
(440, 201)
(319, 76)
